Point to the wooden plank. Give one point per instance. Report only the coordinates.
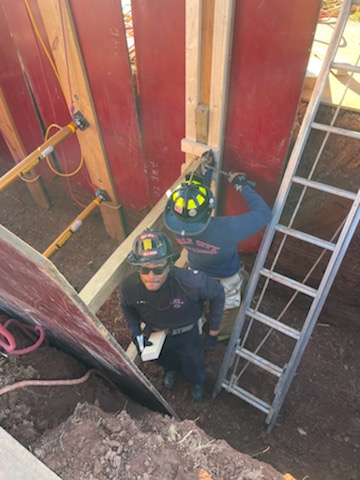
(207, 30)
(193, 19)
(212, 71)
(194, 148)
(17, 462)
(18, 152)
(220, 70)
(107, 278)
(32, 289)
(68, 58)
(192, 65)
(202, 122)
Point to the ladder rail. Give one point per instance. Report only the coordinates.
(276, 324)
(316, 307)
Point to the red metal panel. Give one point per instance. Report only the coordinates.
(15, 91)
(159, 28)
(47, 93)
(102, 39)
(269, 58)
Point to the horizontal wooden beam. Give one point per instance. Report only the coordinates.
(196, 148)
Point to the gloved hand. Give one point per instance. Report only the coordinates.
(238, 180)
(207, 160)
(140, 342)
(210, 343)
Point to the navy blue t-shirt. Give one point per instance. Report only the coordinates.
(214, 251)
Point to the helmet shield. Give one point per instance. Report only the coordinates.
(188, 210)
(151, 247)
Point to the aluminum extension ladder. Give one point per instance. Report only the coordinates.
(258, 320)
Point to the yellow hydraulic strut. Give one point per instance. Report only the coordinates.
(29, 162)
(76, 224)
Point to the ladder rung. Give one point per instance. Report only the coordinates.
(259, 361)
(324, 188)
(289, 282)
(346, 67)
(337, 130)
(306, 237)
(247, 396)
(271, 322)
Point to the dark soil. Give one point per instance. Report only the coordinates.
(317, 435)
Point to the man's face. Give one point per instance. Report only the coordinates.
(153, 281)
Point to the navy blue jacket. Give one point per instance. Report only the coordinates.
(214, 251)
(178, 303)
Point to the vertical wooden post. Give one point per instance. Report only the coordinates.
(209, 29)
(192, 72)
(203, 107)
(220, 70)
(18, 152)
(209, 32)
(70, 65)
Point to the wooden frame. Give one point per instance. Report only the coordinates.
(75, 85)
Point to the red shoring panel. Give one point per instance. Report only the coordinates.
(15, 91)
(102, 39)
(269, 58)
(159, 28)
(24, 45)
(32, 289)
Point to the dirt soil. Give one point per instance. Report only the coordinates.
(92, 431)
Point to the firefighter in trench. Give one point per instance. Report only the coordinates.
(211, 242)
(165, 297)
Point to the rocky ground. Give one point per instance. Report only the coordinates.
(93, 431)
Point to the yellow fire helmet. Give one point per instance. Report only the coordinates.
(188, 210)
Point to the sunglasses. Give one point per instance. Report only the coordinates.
(155, 270)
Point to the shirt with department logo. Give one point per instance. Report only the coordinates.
(214, 251)
(178, 303)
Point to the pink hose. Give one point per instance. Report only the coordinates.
(45, 383)
(10, 345)
(27, 329)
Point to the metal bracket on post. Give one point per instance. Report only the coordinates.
(80, 120)
(102, 195)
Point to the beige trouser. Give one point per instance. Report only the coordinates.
(234, 287)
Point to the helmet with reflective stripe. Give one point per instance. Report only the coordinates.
(188, 210)
(152, 247)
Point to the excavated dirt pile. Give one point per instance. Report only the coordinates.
(98, 446)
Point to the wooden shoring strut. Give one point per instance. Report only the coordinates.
(29, 162)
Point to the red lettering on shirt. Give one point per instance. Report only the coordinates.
(203, 247)
(184, 241)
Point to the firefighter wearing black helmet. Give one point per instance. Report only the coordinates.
(168, 298)
(211, 242)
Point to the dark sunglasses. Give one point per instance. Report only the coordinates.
(155, 270)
